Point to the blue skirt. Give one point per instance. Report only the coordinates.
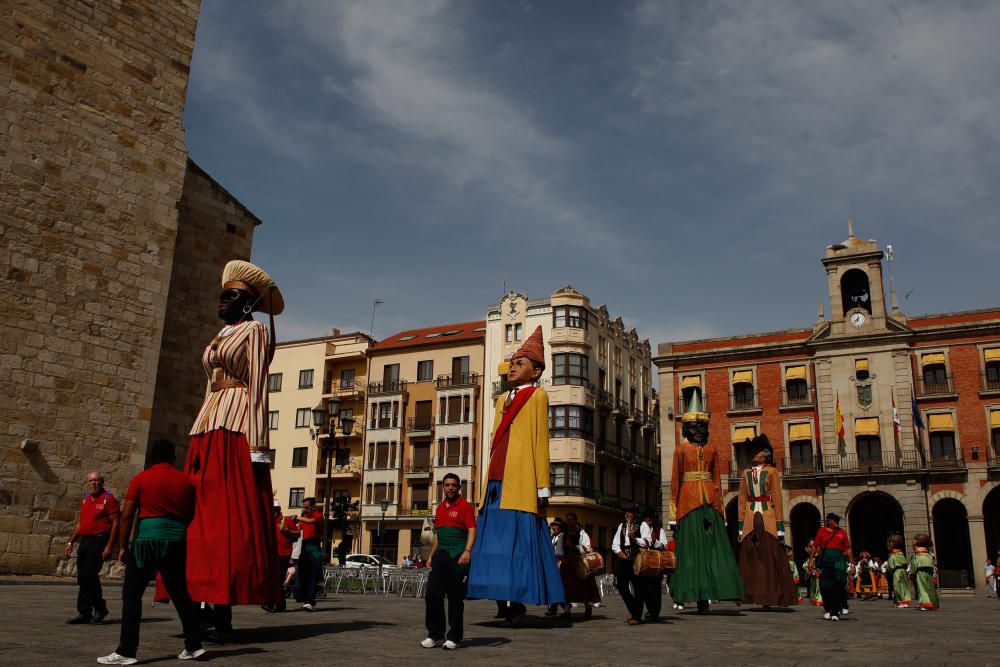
(512, 558)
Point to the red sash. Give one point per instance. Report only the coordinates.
(520, 398)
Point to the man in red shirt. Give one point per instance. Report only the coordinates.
(163, 497)
(832, 551)
(98, 521)
(454, 535)
(287, 532)
(310, 565)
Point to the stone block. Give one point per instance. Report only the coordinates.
(15, 524)
(29, 544)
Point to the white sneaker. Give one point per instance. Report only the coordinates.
(826, 616)
(450, 645)
(845, 612)
(835, 618)
(191, 655)
(903, 606)
(115, 659)
(308, 607)
(430, 643)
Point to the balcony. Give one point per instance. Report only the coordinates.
(628, 456)
(989, 383)
(417, 427)
(744, 402)
(620, 408)
(610, 500)
(580, 491)
(605, 400)
(350, 390)
(341, 470)
(941, 461)
(796, 399)
(460, 380)
(374, 511)
(415, 508)
(416, 469)
(833, 465)
(390, 387)
(939, 388)
(993, 459)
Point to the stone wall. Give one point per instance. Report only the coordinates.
(92, 161)
(213, 228)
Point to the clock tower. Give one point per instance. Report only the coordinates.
(854, 279)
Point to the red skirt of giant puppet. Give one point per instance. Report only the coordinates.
(231, 543)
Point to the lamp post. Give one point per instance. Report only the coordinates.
(381, 532)
(328, 415)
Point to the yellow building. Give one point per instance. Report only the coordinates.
(423, 421)
(603, 444)
(306, 374)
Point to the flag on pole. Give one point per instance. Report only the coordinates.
(918, 422)
(895, 417)
(839, 420)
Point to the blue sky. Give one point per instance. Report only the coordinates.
(685, 163)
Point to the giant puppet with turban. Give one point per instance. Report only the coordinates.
(512, 559)
(231, 543)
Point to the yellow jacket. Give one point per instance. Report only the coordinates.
(526, 469)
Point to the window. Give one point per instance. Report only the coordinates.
(342, 458)
(796, 385)
(744, 396)
(459, 370)
(380, 492)
(300, 457)
(934, 373)
(425, 370)
(390, 377)
(347, 378)
(861, 369)
(306, 379)
(571, 421)
(570, 369)
(450, 452)
(381, 454)
(569, 316)
(419, 496)
(303, 417)
(272, 420)
(295, 496)
(454, 409)
(571, 479)
(942, 435)
(514, 332)
(869, 449)
(274, 382)
(384, 415)
(800, 452)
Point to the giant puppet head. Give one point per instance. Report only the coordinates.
(694, 421)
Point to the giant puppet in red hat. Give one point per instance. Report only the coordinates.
(512, 559)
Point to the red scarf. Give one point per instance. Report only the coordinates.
(520, 398)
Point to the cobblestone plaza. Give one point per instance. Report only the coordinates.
(378, 630)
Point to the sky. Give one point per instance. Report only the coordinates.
(685, 163)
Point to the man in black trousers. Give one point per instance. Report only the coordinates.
(99, 513)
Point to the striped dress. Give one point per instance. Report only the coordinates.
(231, 542)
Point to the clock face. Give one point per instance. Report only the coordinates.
(857, 319)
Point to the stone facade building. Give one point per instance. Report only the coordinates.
(603, 445)
(107, 232)
(879, 369)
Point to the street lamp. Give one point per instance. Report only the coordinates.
(381, 533)
(329, 415)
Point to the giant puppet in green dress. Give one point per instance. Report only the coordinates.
(923, 568)
(895, 569)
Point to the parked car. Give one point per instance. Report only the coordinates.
(369, 560)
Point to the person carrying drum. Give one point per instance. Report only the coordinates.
(653, 538)
(578, 580)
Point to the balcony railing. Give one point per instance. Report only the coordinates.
(344, 387)
(460, 380)
(993, 457)
(420, 424)
(798, 399)
(573, 491)
(946, 460)
(990, 382)
(390, 387)
(627, 455)
(413, 466)
(605, 399)
(609, 500)
(341, 469)
(744, 401)
(940, 387)
(415, 508)
(384, 422)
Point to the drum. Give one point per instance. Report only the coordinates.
(589, 564)
(653, 563)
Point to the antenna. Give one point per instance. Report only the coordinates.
(371, 331)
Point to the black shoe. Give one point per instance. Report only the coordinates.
(703, 607)
(588, 612)
(79, 619)
(100, 616)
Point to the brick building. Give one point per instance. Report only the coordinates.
(110, 237)
(423, 420)
(885, 474)
(602, 406)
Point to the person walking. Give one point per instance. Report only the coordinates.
(310, 567)
(287, 532)
(99, 514)
(989, 572)
(625, 546)
(163, 498)
(832, 551)
(454, 537)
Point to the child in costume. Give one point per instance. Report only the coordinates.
(895, 569)
(512, 559)
(706, 569)
(923, 569)
(815, 596)
(795, 572)
(763, 562)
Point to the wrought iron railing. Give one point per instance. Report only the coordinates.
(934, 386)
(460, 380)
(388, 387)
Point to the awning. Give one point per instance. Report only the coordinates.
(743, 377)
(866, 426)
(503, 367)
(741, 434)
(940, 422)
(860, 365)
(689, 381)
(800, 432)
(992, 354)
(994, 418)
(795, 373)
(932, 358)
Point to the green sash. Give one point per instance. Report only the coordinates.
(154, 536)
(835, 559)
(452, 540)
